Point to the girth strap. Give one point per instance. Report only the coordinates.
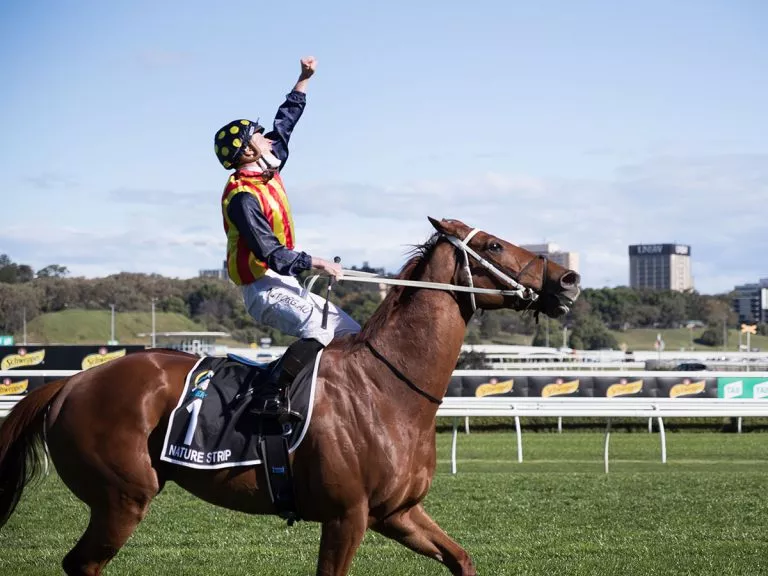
(277, 465)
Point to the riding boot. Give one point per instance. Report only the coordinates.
(272, 397)
(298, 355)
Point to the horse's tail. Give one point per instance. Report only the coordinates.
(20, 445)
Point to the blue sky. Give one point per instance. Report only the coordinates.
(594, 125)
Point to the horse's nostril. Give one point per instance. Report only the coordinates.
(569, 279)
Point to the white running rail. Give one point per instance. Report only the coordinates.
(659, 408)
(518, 407)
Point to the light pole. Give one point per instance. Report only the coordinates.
(153, 322)
(112, 338)
(725, 335)
(24, 325)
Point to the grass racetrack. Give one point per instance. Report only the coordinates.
(704, 512)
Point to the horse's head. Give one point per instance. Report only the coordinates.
(532, 282)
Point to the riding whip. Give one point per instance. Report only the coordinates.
(331, 280)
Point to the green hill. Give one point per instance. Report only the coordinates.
(94, 326)
(644, 339)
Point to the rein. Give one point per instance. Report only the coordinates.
(522, 292)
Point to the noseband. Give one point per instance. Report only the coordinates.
(519, 290)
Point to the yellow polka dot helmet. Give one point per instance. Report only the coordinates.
(230, 140)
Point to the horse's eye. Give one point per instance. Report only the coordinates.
(495, 247)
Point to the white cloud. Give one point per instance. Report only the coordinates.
(714, 203)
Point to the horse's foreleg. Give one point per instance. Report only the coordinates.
(339, 541)
(416, 530)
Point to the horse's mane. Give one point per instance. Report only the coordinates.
(414, 266)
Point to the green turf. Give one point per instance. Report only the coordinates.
(703, 513)
(94, 326)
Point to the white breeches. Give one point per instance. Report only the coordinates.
(280, 302)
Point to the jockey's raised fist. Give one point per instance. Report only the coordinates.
(308, 66)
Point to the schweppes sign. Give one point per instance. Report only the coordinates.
(8, 387)
(624, 388)
(493, 388)
(22, 359)
(687, 388)
(102, 357)
(560, 388)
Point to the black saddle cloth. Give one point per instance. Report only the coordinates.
(212, 427)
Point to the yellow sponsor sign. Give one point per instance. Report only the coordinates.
(687, 388)
(560, 388)
(22, 359)
(492, 388)
(9, 387)
(624, 388)
(101, 358)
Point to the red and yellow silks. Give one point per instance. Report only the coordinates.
(242, 265)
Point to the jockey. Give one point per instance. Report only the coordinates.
(261, 253)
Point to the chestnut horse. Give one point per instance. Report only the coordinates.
(368, 458)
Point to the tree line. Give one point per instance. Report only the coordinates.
(217, 305)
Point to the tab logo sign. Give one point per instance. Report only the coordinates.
(747, 387)
(760, 390)
(733, 389)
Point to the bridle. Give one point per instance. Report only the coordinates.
(521, 291)
(516, 288)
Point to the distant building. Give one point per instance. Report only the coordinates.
(750, 301)
(200, 343)
(220, 273)
(552, 251)
(660, 267)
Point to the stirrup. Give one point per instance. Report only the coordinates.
(271, 407)
(274, 408)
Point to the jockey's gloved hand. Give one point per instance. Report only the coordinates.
(330, 268)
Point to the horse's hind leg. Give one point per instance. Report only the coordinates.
(118, 487)
(416, 530)
(110, 526)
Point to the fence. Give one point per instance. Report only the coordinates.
(610, 395)
(659, 408)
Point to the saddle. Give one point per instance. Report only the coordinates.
(233, 411)
(269, 396)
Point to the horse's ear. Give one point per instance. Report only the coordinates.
(449, 227)
(436, 223)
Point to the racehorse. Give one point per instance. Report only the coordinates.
(368, 458)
